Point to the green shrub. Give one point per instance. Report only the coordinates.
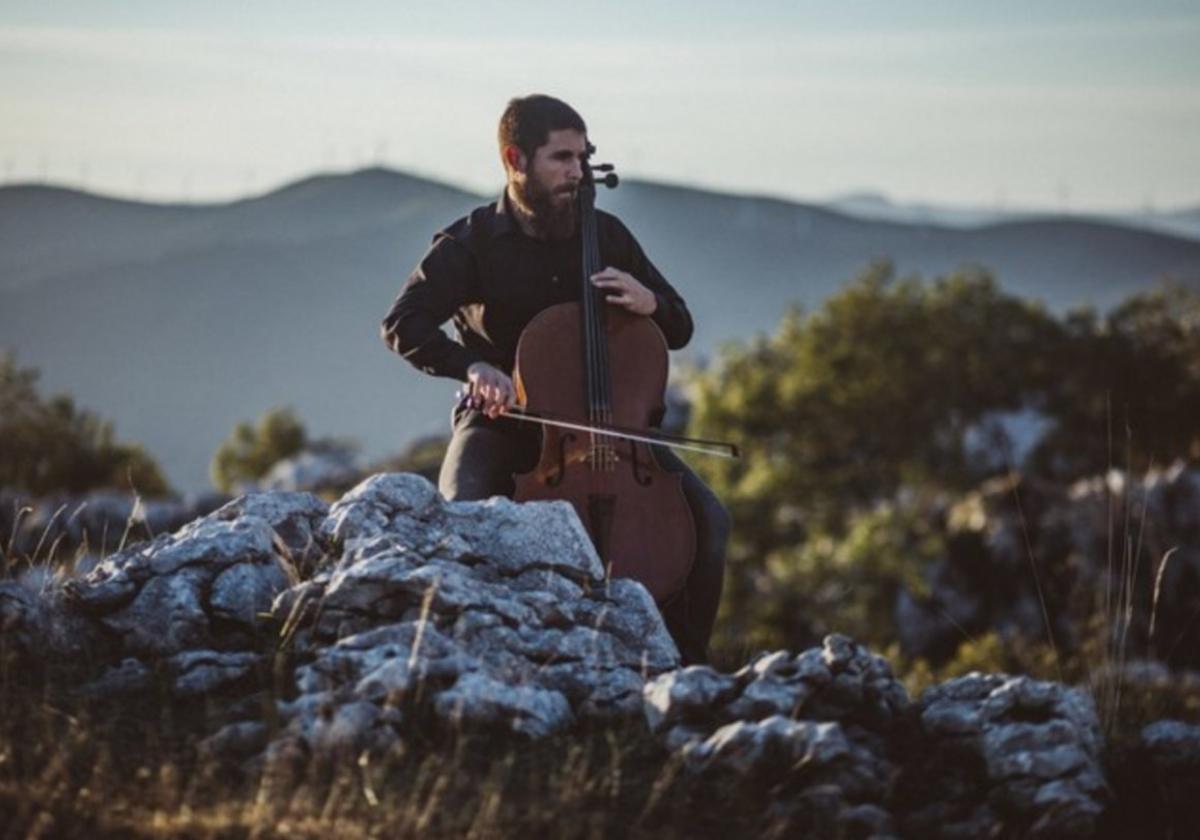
(253, 448)
(51, 446)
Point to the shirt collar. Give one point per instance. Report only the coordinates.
(502, 219)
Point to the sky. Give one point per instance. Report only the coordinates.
(1077, 106)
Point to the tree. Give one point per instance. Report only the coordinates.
(840, 410)
(250, 452)
(49, 446)
(1130, 389)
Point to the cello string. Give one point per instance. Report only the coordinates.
(600, 347)
(603, 386)
(590, 324)
(586, 301)
(595, 330)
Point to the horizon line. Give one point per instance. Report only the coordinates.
(849, 194)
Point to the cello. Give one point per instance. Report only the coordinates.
(595, 378)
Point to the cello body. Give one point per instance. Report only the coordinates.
(634, 510)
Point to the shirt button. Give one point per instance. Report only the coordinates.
(554, 279)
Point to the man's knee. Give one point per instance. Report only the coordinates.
(477, 465)
(463, 487)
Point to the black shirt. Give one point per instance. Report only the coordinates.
(492, 279)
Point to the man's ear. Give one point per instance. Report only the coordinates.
(515, 158)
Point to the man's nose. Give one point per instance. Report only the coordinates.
(575, 173)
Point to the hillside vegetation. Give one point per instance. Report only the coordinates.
(869, 423)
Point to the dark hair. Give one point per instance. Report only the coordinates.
(528, 120)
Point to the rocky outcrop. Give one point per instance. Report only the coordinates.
(207, 586)
(318, 632)
(817, 732)
(996, 751)
(834, 747)
(498, 613)
(494, 614)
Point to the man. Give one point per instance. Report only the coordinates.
(496, 268)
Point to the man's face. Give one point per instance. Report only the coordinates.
(547, 185)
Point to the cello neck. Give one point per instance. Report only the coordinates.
(595, 347)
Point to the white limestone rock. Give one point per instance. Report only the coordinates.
(477, 699)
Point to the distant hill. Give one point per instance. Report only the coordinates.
(877, 206)
(48, 232)
(177, 321)
(1184, 222)
(873, 205)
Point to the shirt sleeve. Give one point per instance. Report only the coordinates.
(442, 282)
(671, 314)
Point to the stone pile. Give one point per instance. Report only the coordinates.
(997, 751)
(498, 613)
(494, 614)
(818, 730)
(206, 587)
(837, 748)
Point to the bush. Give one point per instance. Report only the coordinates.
(849, 416)
(252, 449)
(50, 446)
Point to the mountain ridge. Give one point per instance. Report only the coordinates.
(179, 322)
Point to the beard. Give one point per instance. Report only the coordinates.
(548, 213)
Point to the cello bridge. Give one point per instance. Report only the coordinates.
(603, 457)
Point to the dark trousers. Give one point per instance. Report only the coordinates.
(482, 458)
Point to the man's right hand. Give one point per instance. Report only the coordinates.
(491, 389)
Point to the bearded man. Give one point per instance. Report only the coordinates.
(492, 271)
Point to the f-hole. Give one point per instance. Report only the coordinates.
(556, 478)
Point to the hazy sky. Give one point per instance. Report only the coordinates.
(1083, 105)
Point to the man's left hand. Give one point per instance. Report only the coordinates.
(624, 290)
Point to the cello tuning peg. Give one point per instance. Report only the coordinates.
(602, 167)
(610, 180)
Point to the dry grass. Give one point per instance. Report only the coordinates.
(72, 769)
